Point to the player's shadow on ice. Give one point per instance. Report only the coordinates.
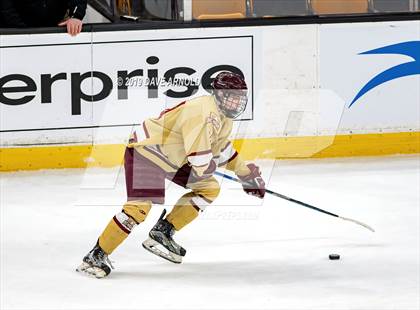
(233, 272)
(279, 269)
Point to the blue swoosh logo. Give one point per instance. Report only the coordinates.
(411, 49)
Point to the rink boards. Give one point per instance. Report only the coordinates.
(315, 90)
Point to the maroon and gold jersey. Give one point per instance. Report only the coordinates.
(194, 132)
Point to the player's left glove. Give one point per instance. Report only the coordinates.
(253, 184)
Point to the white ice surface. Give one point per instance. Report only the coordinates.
(241, 255)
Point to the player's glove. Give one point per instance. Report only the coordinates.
(253, 184)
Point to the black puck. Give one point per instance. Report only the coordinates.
(334, 256)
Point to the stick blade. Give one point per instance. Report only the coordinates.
(358, 223)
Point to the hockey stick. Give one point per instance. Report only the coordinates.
(226, 176)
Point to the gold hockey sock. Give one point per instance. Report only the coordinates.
(183, 213)
(120, 226)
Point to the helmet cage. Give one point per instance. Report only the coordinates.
(232, 102)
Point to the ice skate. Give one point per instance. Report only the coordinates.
(96, 263)
(160, 241)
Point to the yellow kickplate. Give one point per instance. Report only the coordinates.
(50, 157)
(109, 155)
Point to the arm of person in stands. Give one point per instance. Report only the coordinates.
(9, 15)
(77, 10)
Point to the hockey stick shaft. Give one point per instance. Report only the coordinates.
(226, 176)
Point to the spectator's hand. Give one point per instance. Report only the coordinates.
(74, 26)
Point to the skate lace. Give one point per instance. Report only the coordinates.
(167, 229)
(102, 257)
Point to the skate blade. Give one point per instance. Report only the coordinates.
(91, 271)
(156, 248)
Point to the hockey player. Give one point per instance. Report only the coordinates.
(184, 144)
